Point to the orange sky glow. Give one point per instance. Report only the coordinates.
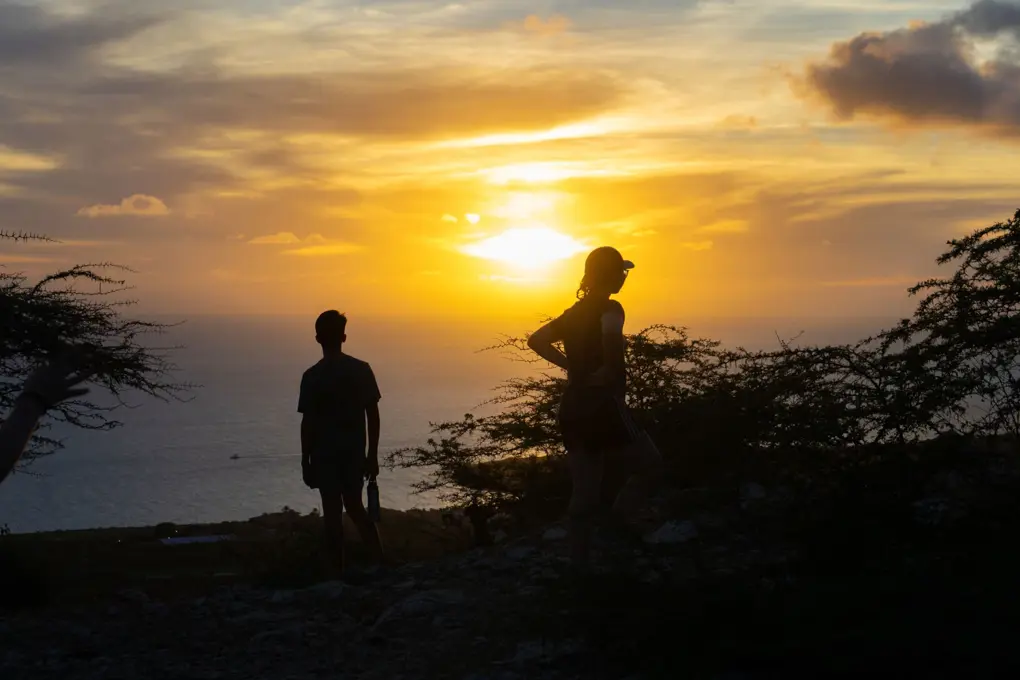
(460, 158)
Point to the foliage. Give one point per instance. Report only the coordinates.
(78, 307)
(965, 333)
(720, 412)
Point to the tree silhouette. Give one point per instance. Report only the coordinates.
(724, 413)
(78, 307)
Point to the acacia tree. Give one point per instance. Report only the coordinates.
(716, 413)
(964, 337)
(79, 307)
(952, 367)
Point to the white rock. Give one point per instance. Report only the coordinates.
(421, 603)
(673, 533)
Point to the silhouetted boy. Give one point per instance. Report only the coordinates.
(337, 394)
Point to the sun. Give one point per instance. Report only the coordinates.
(528, 248)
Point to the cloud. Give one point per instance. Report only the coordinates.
(24, 259)
(138, 205)
(696, 245)
(725, 227)
(555, 24)
(433, 103)
(314, 245)
(875, 282)
(30, 34)
(282, 238)
(929, 73)
(325, 249)
(449, 218)
(737, 121)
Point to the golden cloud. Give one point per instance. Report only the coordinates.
(137, 205)
(283, 238)
(311, 246)
(556, 24)
(325, 249)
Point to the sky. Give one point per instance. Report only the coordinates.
(436, 158)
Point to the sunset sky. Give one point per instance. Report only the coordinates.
(773, 157)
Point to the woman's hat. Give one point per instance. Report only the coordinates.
(606, 260)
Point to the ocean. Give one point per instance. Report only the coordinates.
(172, 462)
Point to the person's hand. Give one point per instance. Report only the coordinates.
(56, 381)
(308, 474)
(372, 465)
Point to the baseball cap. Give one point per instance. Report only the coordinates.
(606, 259)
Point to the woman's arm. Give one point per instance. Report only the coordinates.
(45, 388)
(541, 342)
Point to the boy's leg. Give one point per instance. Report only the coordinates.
(332, 519)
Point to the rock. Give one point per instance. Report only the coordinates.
(499, 536)
(752, 493)
(133, 595)
(421, 604)
(931, 511)
(330, 590)
(282, 597)
(672, 533)
(520, 553)
(277, 634)
(555, 534)
(156, 609)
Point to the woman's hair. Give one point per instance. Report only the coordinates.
(584, 288)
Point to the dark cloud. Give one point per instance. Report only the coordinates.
(929, 73)
(30, 35)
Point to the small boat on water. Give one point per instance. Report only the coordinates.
(234, 457)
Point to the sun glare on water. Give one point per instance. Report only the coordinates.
(529, 248)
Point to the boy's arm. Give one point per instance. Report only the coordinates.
(373, 438)
(307, 424)
(372, 397)
(307, 438)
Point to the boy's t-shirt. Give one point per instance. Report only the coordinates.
(336, 392)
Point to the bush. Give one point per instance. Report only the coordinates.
(797, 412)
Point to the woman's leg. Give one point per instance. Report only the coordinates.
(586, 479)
(644, 464)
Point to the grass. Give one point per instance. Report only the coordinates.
(281, 549)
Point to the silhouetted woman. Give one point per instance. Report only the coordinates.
(594, 419)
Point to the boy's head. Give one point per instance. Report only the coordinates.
(331, 329)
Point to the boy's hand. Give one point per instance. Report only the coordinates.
(308, 474)
(372, 465)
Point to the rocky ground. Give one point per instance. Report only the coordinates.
(510, 611)
(754, 587)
